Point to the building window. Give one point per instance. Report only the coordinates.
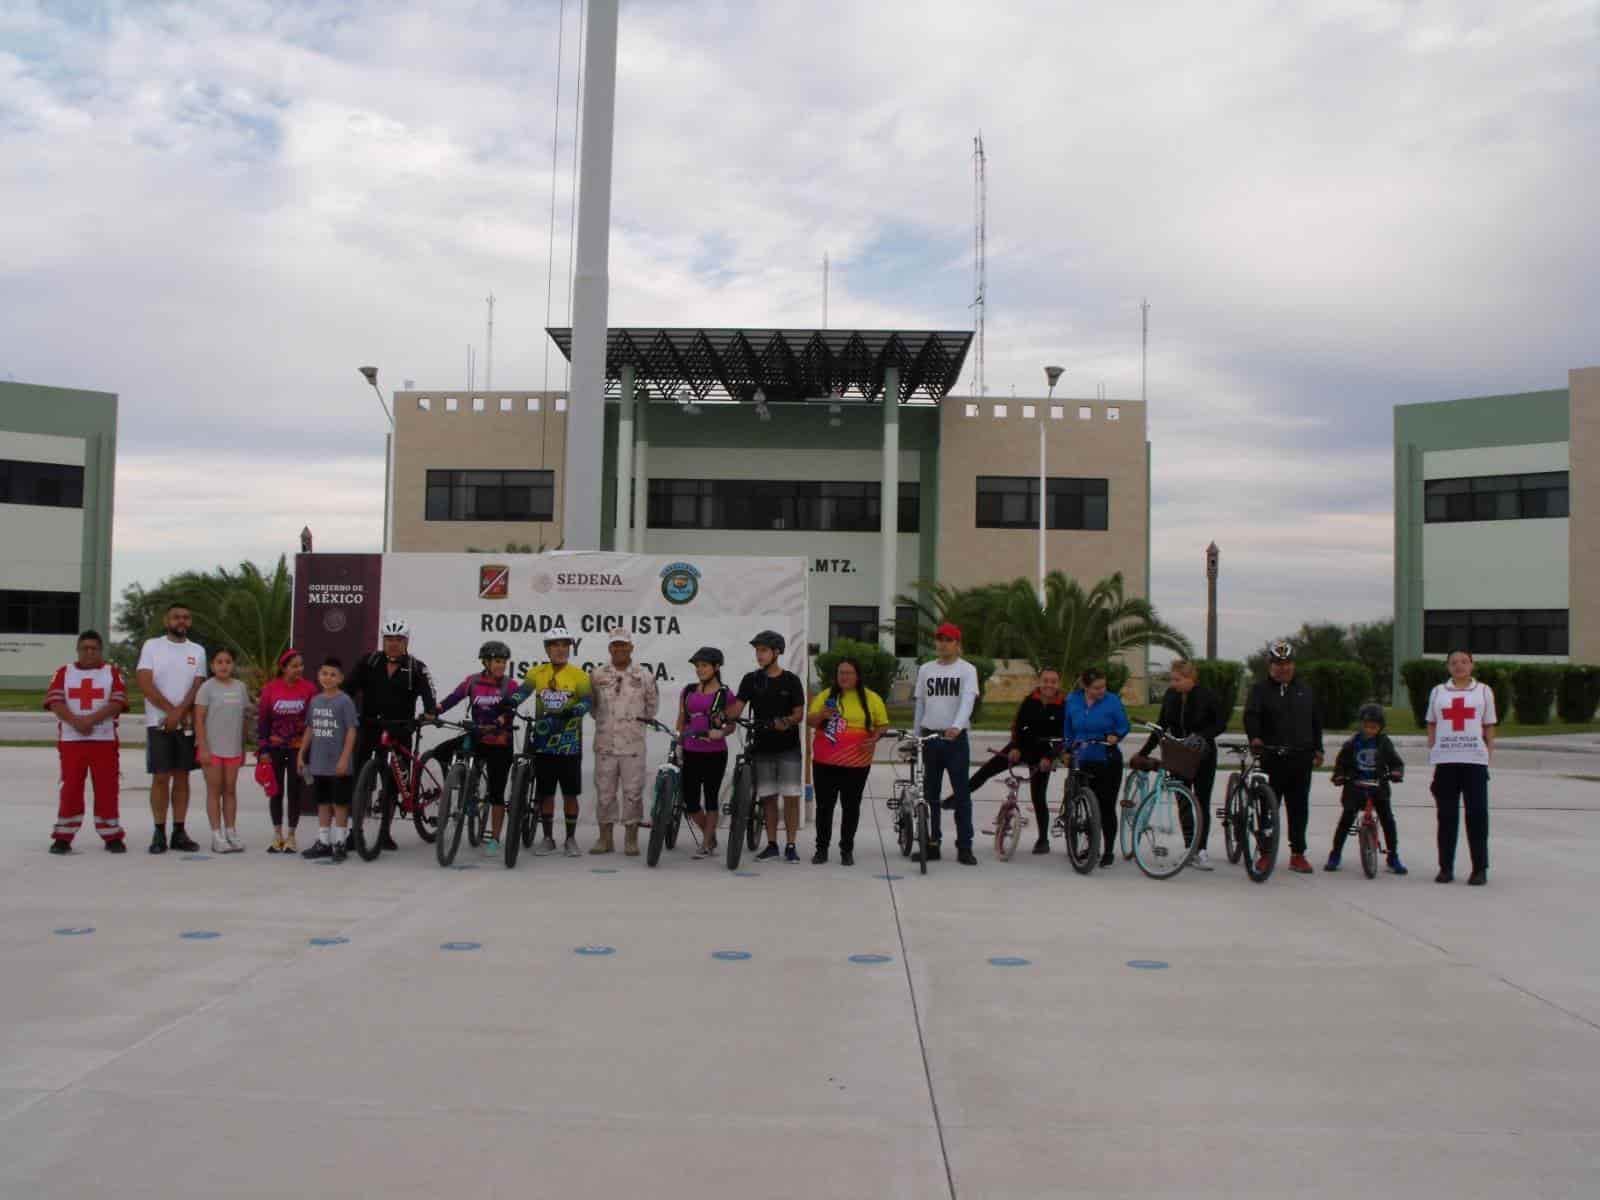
(48, 485)
(1495, 498)
(1084, 412)
(858, 622)
(842, 507)
(969, 410)
(1000, 412)
(1495, 631)
(491, 496)
(1012, 502)
(905, 631)
(38, 612)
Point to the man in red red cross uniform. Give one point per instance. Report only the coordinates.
(87, 697)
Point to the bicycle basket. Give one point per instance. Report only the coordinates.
(1180, 758)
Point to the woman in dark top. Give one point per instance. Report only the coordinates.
(1036, 725)
(1190, 709)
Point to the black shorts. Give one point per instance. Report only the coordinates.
(551, 771)
(167, 750)
(333, 789)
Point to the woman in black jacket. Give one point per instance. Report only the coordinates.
(1189, 709)
(1036, 725)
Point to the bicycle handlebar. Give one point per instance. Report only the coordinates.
(660, 727)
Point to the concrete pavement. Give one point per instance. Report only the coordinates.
(1311, 1036)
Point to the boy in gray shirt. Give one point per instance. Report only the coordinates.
(325, 751)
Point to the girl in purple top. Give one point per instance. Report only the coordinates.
(705, 747)
(280, 728)
(488, 694)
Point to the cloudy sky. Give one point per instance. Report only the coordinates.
(218, 210)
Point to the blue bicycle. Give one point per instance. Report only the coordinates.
(1159, 813)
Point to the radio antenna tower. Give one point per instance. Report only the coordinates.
(488, 366)
(980, 255)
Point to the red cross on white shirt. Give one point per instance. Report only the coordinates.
(1458, 714)
(86, 694)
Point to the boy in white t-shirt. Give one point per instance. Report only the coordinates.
(171, 669)
(1461, 723)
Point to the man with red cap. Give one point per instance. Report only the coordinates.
(947, 691)
(87, 697)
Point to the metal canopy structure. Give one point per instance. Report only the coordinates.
(787, 365)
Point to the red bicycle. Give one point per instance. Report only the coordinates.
(396, 779)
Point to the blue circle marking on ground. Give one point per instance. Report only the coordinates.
(1148, 964)
(200, 935)
(594, 951)
(329, 941)
(1009, 960)
(731, 955)
(747, 874)
(461, 945)
(870, 958)
(196, 858)
(75, 930)
(602, 870)
(465, 867)
(890, 878)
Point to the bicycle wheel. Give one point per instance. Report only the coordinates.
(1161, 846)
(425, 800)
(477, 814)
(1007, 830)
(660, 817)
(367, 802)
(743, 810)
(1368, 833)
(1232, 816)
(922, 836)
(673, 826)
(1260, 819)
(517, 812)
(1133, 795)
(904, 833)
(451, 815)
(1080, 828)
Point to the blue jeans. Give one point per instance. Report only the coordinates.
(938, 757)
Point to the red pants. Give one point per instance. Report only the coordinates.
(99, 760)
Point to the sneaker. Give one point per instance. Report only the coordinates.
(966, 857)
(158, 841)
(219, 843)
(933, 852)
(318, 849)
(1478, 878)
(340, 851)
(120, 846)
(1108, 859)
(1201, 861)
(1263, 865)
(770, 852)
(386, 841)
(847, 858)
(288, 843)
(570, 849)
(1299, 865)
(1332, 864)
(1042, 846)
(546, 845)
(276, 847)
(235, 842)
(1444, 876)
(182, 841)
(57, 846)
(820, 857)
(790, 854)
(704, 852)
(1396, 867)
(491, 846)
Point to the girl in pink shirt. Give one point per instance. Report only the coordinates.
(280, 727)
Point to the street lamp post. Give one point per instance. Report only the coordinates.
(370, 374)
(1052, 376)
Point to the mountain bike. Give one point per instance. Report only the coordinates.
(1249, 813)
(906, 801)
(522, 813)
(666, 810)
(396, 778)
(1160, 807)
(743, 829)
(1078, 822)
(462, 804)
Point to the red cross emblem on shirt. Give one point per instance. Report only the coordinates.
(86, 694)
(1458, 714)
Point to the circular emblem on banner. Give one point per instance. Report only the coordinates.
(680, 582)
(334, 620)
(541, 582)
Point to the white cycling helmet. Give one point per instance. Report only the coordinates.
(395, 627)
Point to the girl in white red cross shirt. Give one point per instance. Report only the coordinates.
(87, 697)
(1461, 721)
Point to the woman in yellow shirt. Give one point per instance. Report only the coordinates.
(848, 719)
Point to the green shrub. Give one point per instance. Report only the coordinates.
(1578, 694)
(1340, 688)
(1420, 675)
(1533, 688)
(1498, 677)
(1223, 676)
(985, 668)
(879, 667)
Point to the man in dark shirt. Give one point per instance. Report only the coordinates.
(778, 703)
(387, 687)
(1281, 712)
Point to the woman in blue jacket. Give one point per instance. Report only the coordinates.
(1096, 715)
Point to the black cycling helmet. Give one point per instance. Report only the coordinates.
(1372, 712)
(771, 639)
(1280, 652)
(494, 650)
(707, 654)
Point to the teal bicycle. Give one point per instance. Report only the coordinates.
(1159, 812)
(666, 810)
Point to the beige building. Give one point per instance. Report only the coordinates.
(797, 462)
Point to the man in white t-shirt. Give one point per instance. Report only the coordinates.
(946, 693)
(1461, 724)
(171, 669)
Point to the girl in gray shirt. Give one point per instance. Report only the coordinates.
(219, 708)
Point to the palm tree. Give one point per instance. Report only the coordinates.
(1077, 629)
(979, 611)
(247, 610)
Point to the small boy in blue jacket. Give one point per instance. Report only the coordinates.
(1366, 765)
